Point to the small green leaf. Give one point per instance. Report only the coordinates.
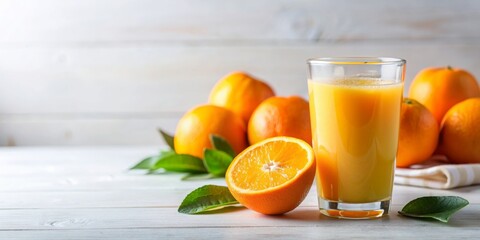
(180, 163)
(146, 163)
(168, 138)
(166, 153)
(149, 162)
(197, 176)
(440, 208)
(216, 161)
(207, 198)
(221, 144)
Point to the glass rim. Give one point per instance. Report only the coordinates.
(356, 61)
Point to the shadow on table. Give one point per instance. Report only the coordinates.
(310, 215)
(465, 189)
(224, 210)
(313, 215)
(467, 217)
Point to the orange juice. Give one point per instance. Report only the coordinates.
(355, 125)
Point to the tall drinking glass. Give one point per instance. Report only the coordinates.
(355, 115)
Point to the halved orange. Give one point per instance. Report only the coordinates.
(272, 176)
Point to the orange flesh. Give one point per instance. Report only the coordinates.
(271, 165)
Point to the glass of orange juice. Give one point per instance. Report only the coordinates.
(355, 116)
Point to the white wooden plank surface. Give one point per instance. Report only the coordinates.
(107, 72)
(164, 195)
(131, 218)
(284, 232)
(60, 21)
(150, 81)
(119, 95)
(56, 196)
(71, 129)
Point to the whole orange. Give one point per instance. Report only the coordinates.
(240, 93)
(280, 116)
(195, 127)
(460, 132)
(440, 88)
(418, 134)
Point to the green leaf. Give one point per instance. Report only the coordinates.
(207, 198)
(167, 138)
(180, 163)
(216, 161)
(221, 144)
(440, 208)
(149, 162)
(197, 176)
(146, 163)
(166, 153)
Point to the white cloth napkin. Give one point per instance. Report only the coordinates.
(438, 173)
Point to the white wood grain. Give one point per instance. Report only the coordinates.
(72, 161)
(170, 194)
(341, 231)
(73, 157)
(154, 80)
(120, 95)
(59, 21)
(153, 182)
(131, 218)
(107, 72)
(40, 130)
(97, 177)
(97, 183)
(109, 203)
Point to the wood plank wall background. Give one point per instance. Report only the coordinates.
(108, 72)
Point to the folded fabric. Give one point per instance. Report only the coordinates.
(437, 173)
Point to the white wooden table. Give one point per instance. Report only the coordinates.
(87, 193)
